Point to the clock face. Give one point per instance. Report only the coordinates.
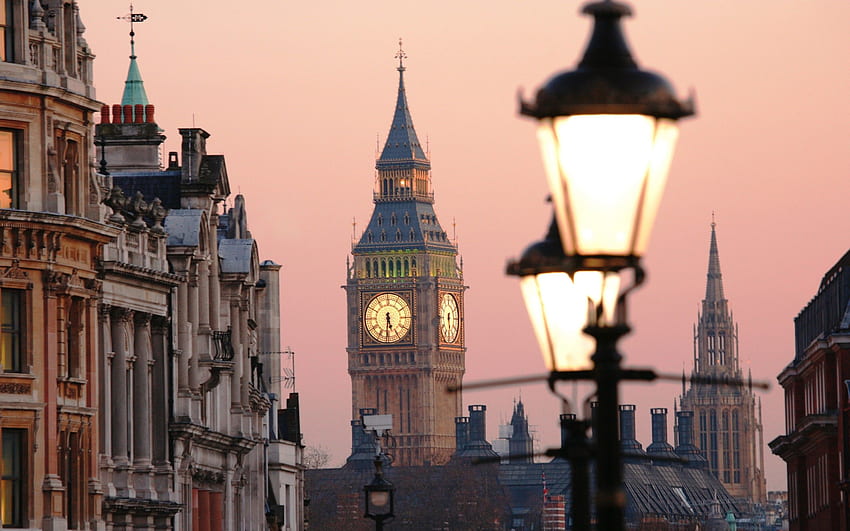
(387, 318)
(449, 318)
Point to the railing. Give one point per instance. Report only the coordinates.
(223, 346)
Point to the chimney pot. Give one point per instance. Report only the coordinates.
(116, 114)
(104, 114)
(128, 114)
(138, 113)
(149, 113)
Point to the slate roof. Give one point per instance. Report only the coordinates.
(183, 227)
(235, 255)
(416, 228)
(402, 142)
(162, 184)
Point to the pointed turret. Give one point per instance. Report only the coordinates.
(129, 137)
(134, 87)
(402, 143)
(714, 282)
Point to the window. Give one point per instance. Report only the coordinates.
(12, 330)
(12, 497)
(8, 166)
(7, 35)
(75, 342)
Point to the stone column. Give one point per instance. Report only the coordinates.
(206, 310)
(246, 352)
(141, 391)
(105, 368)
(236, 341)
(214, 286)
(121, 319)
(194, 366)
(183, 339)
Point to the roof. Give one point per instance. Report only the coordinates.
(134, 87)
(162, 184)
(404, 225)
(402, 142)
(235, 255)
(184, 227)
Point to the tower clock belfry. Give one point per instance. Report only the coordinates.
(727, 419)
(405, 303)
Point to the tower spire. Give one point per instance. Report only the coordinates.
(714, 280)
(402, 144)
(134, 87)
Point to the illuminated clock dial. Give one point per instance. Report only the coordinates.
(387, 318)
(449, 318)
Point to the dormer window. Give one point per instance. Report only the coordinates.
(406, 219)
(393, 220)
(380, 220)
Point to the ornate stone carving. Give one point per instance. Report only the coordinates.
(14, 271)
(15, 388)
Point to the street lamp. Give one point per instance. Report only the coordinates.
(379, 496)
(607, 131)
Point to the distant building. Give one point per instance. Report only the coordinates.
(817, 411)
(727, 419)
(405, 303)
(665, 488)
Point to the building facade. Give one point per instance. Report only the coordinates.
(816, 444)
(51, 242)
(405, 303)
(727, 419)
(134, 327)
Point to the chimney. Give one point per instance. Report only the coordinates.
(659, 447)
(128, 114)
(194, 148)
(565, 433)
(461, 433)
(631, 447)
(116, 114)
(149, 108)
(477, 423)
(104, 114)
(685, 437)
(138, 113)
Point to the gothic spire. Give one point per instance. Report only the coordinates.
(714, 282)
(134, 87)
(402, 143)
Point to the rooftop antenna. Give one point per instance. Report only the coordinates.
(132, 18)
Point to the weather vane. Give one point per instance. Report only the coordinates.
(400, 55)
(132, 18)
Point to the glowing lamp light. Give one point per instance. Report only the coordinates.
(379, 496)
(561, 302)
(607, 131)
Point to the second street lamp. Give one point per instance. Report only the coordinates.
(607, 130)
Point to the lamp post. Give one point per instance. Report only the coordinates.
(607, 130)
(379, 496)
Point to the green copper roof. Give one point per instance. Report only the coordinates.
(134, 87)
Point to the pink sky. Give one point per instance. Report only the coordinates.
(294, 94)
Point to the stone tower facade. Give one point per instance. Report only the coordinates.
(727, 419)
(405, 304)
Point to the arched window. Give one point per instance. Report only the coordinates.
(380, 220)
(392, 268)
(368, 269)
(393, 219)
(398, 235)
(383, 236)
(406, 218)
(398, 266)
(369, 236)
(406, 267)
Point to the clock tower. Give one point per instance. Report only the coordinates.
(405, 304)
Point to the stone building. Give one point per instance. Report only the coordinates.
(405, 303)
(51, 242)
(133, 328)
(817, 410)
(727, 419)
(193, 389)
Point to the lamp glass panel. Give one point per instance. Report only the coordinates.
(379, 498)
(666, 134)
(603, 290)
(558, 312)
(597, 166)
